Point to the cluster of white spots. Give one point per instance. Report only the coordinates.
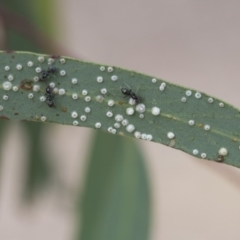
(7, 86)
(62, 60)
(19, 67)
(87, 109)
(154, 80)
(74, 96)
(35, 79)
(206, 127)
(110, 69)
(221, 104)
(102, 68)
(223, 151)
(114, 78)
(203, 155)
(52, 84)
(195, 152)
(41, 59)
(75, 123)
(130, 111)
(74, 114)
(141, 115)
(155, 111)
(210, 100)
(30, 95)
(98, 125)
(132, 101)
(5, 97)
(170, 135)
(198, 95)
(1, 107)
(62, 72)
(7, 68)
(183, 99)
(118, 117)
(109, 114)
(117, 125)
(42, 98)
(130, 128)
(43, 118)
(10, 77)
(74, 80)
(103, 91)
(15, 88)
(36, 88)
(188, 93)
(29, 63)
(61, 91)
(162, 86)
(38, 70)
(111, 103)
(83, 118)
(145, 136)
(84, 92)
(112, 130)
(191, 122)
(137, 134)
(99, 79)
(87, 98)
(140, 108)
(99, 98)
(50, 60)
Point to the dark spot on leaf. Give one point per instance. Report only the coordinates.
(4, 117)
(200, 125)
(16, 113)
(63, 109)
(220, 158)
(57, 115)
(121, 103)
(9, 51)
(26, 85)
(54, 56)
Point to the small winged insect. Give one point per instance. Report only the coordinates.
(130, 93)
(49, 96)
(45, 73)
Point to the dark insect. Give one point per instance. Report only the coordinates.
(49, 96)
(130, 93)
(45, 73)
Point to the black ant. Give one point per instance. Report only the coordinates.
(131, 94)
(46, 73)
(49, 96)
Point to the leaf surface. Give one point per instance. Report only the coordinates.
(89, 95)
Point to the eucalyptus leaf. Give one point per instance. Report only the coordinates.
(89, 95)
(115, 203)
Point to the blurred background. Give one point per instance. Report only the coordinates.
(56, 182)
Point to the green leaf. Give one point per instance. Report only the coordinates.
(189, 120)
(38, 172)
(115, 202)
